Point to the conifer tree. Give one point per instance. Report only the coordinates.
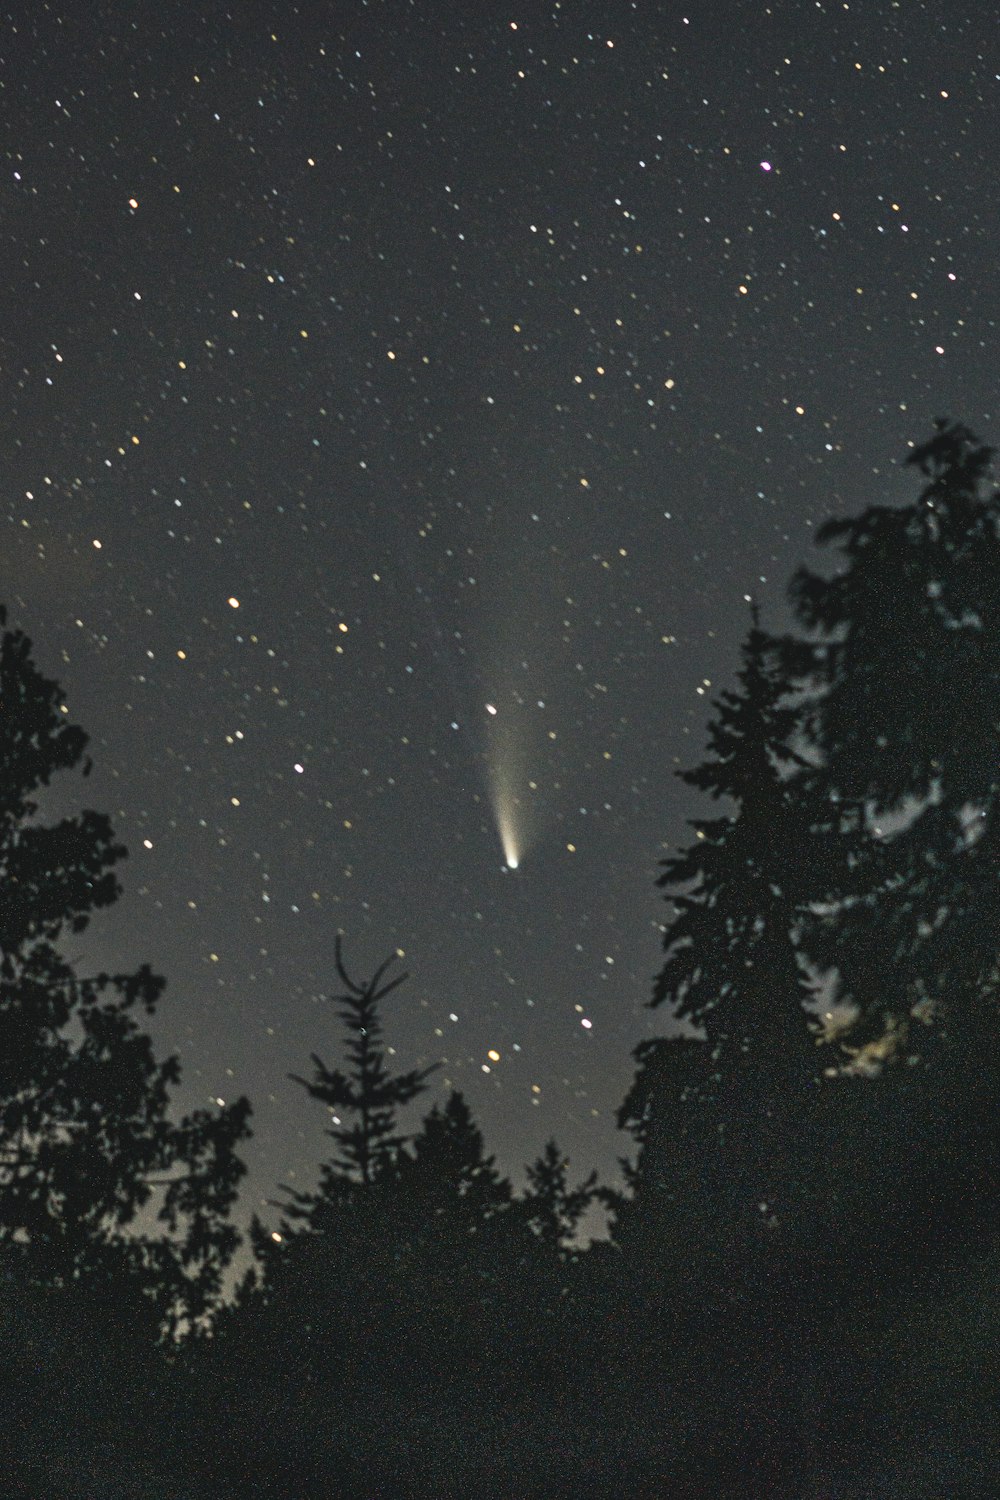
(458, 1236)
(367, 1091)
(561, 1296)
(904, 675)
(666, 1113)
(905, 679)
(717, 1235)
(345, 1222)
(732, 966)
(86, 1139)
(898, 689)
(447, 1164)
(554, 1209)
(489, 1310)
(326, 1302)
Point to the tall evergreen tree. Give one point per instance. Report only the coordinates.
(732, 966)
(340, 1235)
(899, 700)
(447, 1165)
(665, 1113)
(717, 1235)
(455, 1230)
(326, 1302)
(367, 1091)
(554, 1209)
(904, 669)
(86, 1138)
(562, 1292)
(904, 674)
(489, 1304)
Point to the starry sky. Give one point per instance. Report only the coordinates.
(401, 402)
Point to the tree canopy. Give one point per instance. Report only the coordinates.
(86, 1133)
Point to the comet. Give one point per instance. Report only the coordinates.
(508, 834)
(509, 786)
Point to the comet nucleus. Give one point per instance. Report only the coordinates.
(508, 835)
(507, 749)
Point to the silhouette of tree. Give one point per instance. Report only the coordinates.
(367, 1091)
(413, 1290)
(904, 680)
(490, 1307)
(446, 1165)
(320, 1334)
(717, 1231)
(554, 1209)
(452, 1215)
(899, 687)
(905, 677)
(733, 965)
(560, 1296)
(663, 1112)
(85, 1135)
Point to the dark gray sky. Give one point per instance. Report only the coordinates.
(367, 368)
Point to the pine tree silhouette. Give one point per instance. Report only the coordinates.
(92, 1294)
(344, 1237)
(486, 1304)
(732, 965)
(899, 688)
(455, 1227)
(554, 1209)
(327, 1303)
(367, 1091)
(717, 1231)
(904, 675)
(447, 1162)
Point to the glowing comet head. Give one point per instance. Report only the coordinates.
(508, 781)
(508, 836)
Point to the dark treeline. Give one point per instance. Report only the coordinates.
(800, 1292)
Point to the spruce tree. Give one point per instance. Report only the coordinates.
(454, 1224)
(898, 688)
(553, 1208)
(717, 1234)
(344, 1225)
(367, 1091)
(325, 1302)
(903, 676)
(446, 1165)
(489, 1317)
(904, 672)
(666, 1115)
(732, 966)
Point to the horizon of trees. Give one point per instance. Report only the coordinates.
(799, 1292)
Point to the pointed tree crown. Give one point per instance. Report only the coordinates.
(904, 676)
(447, 1164)
(367, 1091)
(904, 628)
(553, 1208)
(733, 890)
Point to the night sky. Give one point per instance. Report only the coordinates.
(400, 404)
